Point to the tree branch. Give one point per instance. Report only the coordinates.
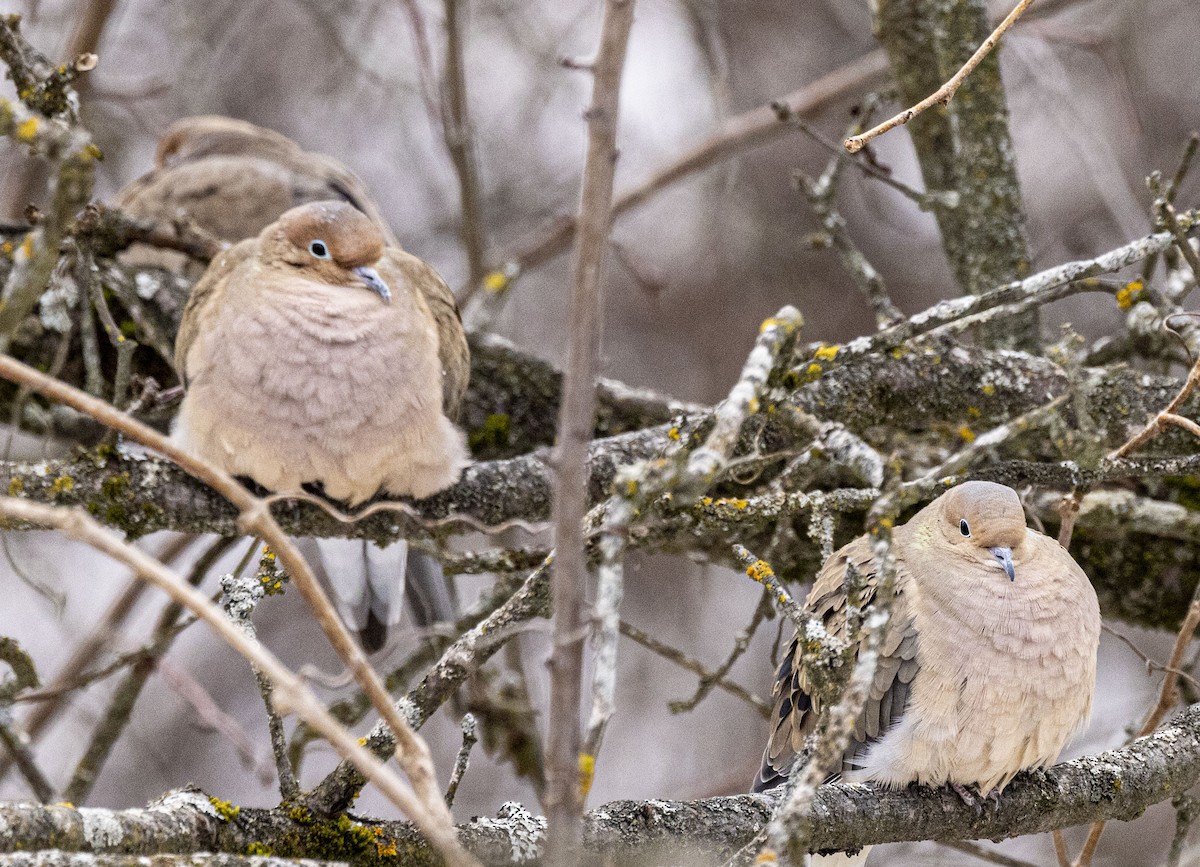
(1117, 784)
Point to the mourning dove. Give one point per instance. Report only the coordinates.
(232, 178)
(987, 666)
(315, 353)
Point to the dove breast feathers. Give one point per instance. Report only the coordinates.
(298, 370)
(979, 675)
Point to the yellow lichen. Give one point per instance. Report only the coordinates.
(673, 433)
(967, 434)
(1130, 294)
(973, 412)
(15, 486)
(587, 773)
(495, 282)
(27, 129)
(61, 485)
(989, 389)
(227, 811)
(827, 353)
(760, 571)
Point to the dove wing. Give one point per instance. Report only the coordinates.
(453, 353)
(207, 291)
(797, 706)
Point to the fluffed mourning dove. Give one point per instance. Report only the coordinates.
(233, 178)
(987, 666)
(316, 353)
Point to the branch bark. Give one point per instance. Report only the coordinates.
(1118, 784)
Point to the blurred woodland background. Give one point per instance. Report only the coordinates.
(1100, 94)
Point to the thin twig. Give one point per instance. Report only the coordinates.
(1152, 664)
(977, 851)
(610, 590)
(1168, 194)
(695, 666)
(456, 130)
(821, 194)
(1060, 849)
(741, 643)
(944, 93)
(240, 595)
(564, 806)
(17, 744)
(469, 739)
(760, 570)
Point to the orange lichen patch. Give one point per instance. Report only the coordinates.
(968, 435)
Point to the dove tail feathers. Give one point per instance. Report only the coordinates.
(368, 584)
(428, 596)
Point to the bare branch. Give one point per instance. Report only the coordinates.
(946, 92)
(563, 801)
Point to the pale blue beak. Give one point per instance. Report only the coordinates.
(374, 282)
(1004, 556)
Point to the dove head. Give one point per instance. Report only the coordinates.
(982, 521)
(205, 135)
(332, 242)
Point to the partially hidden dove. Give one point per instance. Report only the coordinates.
(986, 668)
(232, 178)
(318, 353)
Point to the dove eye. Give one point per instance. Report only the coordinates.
(319, 249)
(964, 527)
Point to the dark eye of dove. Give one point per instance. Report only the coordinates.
(319, 249)
(964, 527)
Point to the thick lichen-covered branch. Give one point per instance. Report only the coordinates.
(1118, 784)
